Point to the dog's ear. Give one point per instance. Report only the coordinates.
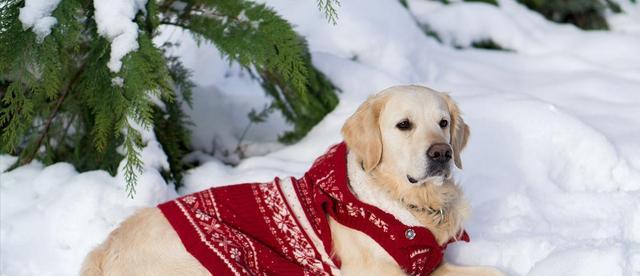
(362, 134)
(459, 130)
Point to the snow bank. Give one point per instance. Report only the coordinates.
(628, 21)
(36, 14)
(115, 22)
(552, 170)
(52, 216)
(515, 27)
(74, 209)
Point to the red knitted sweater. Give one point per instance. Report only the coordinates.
(252, 229)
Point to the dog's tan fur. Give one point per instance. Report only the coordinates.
(146, 244)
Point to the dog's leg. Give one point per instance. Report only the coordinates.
(446, 269)
(360, 254)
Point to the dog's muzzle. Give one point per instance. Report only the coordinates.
(439, 156)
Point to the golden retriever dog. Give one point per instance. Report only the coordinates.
(402, 144)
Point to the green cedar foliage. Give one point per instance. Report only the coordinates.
(490, 2)
(60, 102)
(253, 35)
(585, 14)
(302, 109)
(488, 44)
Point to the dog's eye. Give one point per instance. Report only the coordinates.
(443, 123)
(404, 125)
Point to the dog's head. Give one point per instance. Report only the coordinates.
(410, 133)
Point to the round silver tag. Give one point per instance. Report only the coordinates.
(410, 234)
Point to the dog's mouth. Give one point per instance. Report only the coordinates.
(433, 173)
(439, 172)
(411, 179)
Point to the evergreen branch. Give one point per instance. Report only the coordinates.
(53, 114)
(250, 34)
(166, 5)
(65, 131)
(329, 10)
(133, 164)
(254, 118)
(171, 23)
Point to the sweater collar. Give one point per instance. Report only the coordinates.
(414, 248)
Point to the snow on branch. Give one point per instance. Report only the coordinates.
(36, 14)
(115, 22)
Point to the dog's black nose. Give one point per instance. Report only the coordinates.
(440, 153)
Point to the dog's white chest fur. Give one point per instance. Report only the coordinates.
(374, 195)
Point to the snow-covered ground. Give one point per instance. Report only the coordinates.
(552, 169)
